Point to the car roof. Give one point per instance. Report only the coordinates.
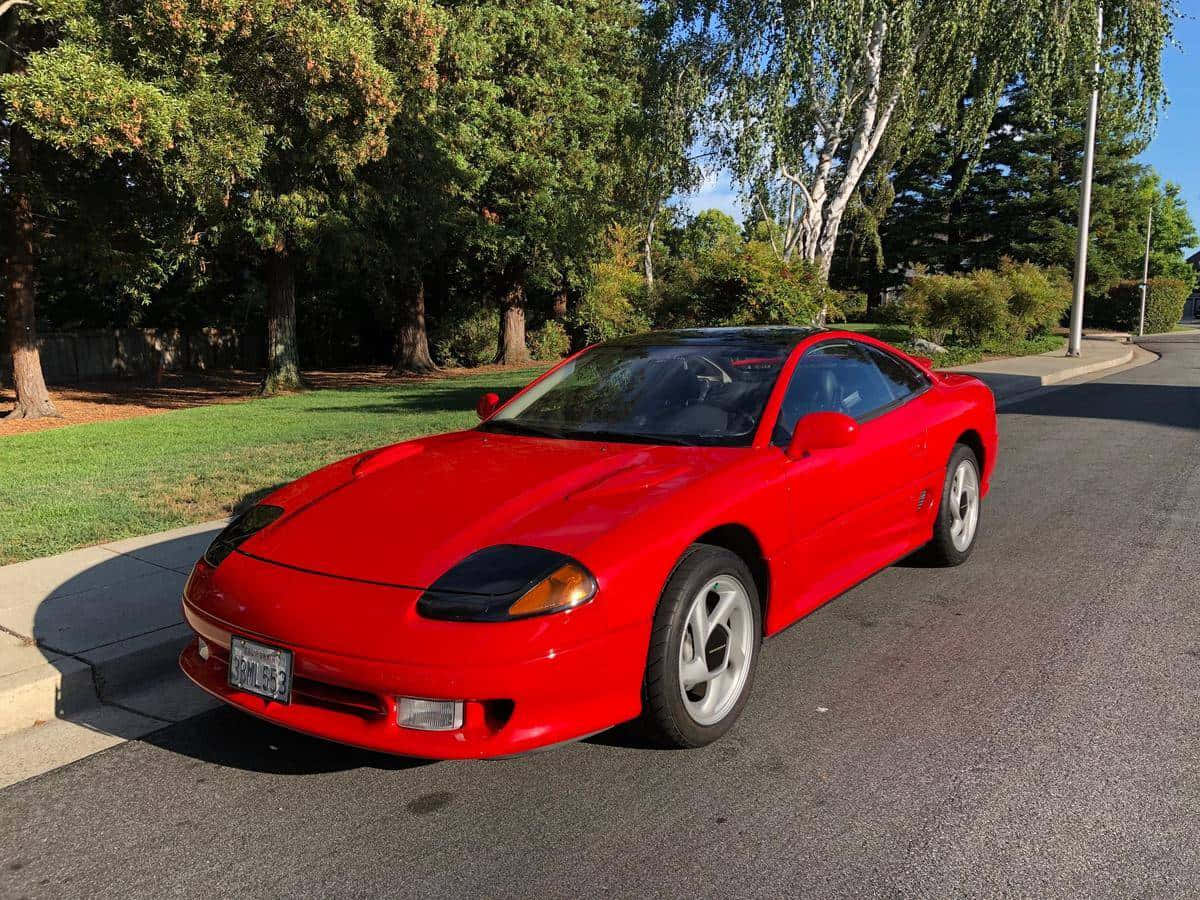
(781, 336)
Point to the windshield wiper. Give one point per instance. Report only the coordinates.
(514, 427)
(637, 436)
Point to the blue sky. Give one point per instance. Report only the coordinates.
(1174, 152)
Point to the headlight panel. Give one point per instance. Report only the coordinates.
(505, 582)
(240, 529)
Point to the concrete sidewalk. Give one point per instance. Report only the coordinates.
(88, 645)
(1018, 375)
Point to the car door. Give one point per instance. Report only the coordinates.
(850, 506)
(897, 434)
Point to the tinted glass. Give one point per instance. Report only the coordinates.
(832, 378)
(711, 394)
(901, 378)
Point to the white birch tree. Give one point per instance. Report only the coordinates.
(810, 90)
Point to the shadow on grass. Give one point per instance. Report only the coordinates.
(430, 399)
(255, 497)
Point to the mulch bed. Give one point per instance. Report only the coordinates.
(106, 399)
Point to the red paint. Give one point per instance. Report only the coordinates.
(336, 579)
(822, 431)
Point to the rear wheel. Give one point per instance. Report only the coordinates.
(703, 649)
(957, 523)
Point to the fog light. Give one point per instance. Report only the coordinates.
(202, 649)
(429, 715)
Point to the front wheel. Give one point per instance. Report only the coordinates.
(957, 523)
(703, 649)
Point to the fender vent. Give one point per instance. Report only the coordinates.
(921, 499)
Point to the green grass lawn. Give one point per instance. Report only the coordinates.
(86, 484)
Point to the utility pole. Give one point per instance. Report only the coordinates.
(1146, 270)
(1085, 197)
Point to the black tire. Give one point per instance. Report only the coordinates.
(665, 718)
(941, 549)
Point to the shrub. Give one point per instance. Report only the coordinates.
(852, 307)
(965, 306)
(1038, 298)
(1121, 306)
(1018, 301)
(549, 343)
(615, 303)
(748, 285)
(467, 339)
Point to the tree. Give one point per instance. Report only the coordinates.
(811, 92)
(707, 231)
(397, 209)
(83, 100)
(1020, 197)
(661, 156)
(326, 83)
(539, 91)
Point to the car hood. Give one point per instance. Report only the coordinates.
(405, 514)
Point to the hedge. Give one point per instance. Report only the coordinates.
(1120, 307)
(1017, 301)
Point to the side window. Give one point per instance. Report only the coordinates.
(902, 379)
(832, 377)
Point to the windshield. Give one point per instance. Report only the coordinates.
(701, 394)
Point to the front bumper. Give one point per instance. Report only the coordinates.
(510, 707)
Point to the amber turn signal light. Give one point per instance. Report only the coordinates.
(565, 588)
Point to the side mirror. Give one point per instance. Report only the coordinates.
(923, 361)
(822, 431)
(487, 405)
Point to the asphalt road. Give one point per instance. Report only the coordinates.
(1027, 724)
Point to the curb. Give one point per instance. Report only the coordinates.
(1005, 386)
(64, 685)
(1088, 368)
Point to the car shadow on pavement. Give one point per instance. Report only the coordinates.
(107, 629)
(227, 737)
(1170, 405)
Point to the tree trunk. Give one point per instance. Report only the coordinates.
(283, 365)
(648, 254)
(511, 349)
(33, 400)
(412, 343)
(560, 302)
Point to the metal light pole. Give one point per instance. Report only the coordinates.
(1146, 270)
(1085, 198)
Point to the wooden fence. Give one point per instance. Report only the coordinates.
(81, 355)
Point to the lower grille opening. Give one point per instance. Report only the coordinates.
(496, 713)
(331, 696)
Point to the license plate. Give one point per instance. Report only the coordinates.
(259, 669)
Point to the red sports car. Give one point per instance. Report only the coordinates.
(614, 541)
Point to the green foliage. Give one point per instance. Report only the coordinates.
(746, 285)
(810, 93)
(1018, 301)
(537, 93)
(465, 338)
(709, 231)
(549, 343)
(615, 301)
(1120, 307)
(852, 307)
(1037, 298)
(1021, 198)
(74, 98)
